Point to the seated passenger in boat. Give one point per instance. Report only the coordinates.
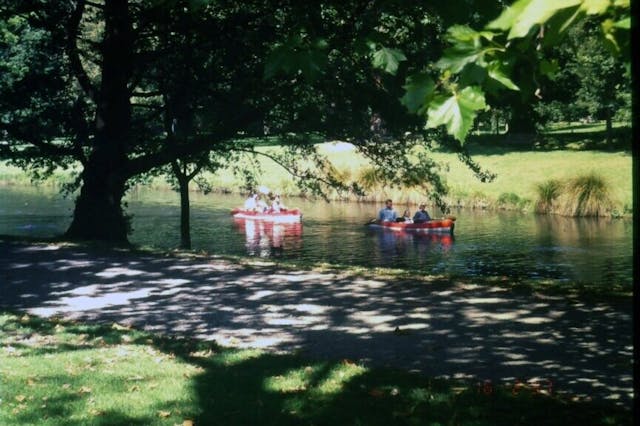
(261, 206)
(406, 217)
(421, 215)
(276, 204)
(387, 213)
(251, 203)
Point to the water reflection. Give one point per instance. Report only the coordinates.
(394, 245)
(267, 238)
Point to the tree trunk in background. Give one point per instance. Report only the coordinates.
(185, 212)
(522, 127)
(98, 213)
(609, 126)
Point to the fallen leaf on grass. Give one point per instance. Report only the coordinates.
(19, 408)
(84, 389)
(119, 327)
(201, 354)
(164, 414)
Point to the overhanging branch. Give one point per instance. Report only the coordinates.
(78, 70)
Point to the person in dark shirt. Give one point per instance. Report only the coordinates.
(421, 215)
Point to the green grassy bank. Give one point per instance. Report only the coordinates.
(561, 154)
(54, 372)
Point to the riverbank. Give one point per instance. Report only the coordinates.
(520, 169)
(435, 327)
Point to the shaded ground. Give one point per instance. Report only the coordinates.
(441, 329)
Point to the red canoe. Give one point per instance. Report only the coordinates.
(288, 215)
(436, 226)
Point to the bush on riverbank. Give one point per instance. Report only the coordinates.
(587, 195)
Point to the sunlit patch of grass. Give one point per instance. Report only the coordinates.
(62, 373)
(235, 357)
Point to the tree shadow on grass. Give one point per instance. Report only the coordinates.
(242, 394)
(543, 142)
(248, 387)
(442, 328)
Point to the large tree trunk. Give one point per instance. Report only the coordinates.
(98, 212)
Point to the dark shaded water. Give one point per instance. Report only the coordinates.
(485, 243)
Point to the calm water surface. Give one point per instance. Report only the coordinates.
(485, 243)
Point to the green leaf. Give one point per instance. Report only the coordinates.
(520, 18)
(418, 92)
(279, 59)
(549, 68)
(311, 63)
(388, 59)
(508, 17)
(457, 57)
(472, 74)
(595, 7)
(466, 48)
(457, 111)
(624, 24)
(496, 72)
(464, 33)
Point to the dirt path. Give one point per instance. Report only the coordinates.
(445, 329)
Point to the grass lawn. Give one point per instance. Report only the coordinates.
(563, 151)
(63, 373)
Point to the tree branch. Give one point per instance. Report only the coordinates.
(74, 55)
(93, 4)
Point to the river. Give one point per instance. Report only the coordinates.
(486, 243)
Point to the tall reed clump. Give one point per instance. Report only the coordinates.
(587, 195)
(548, 192)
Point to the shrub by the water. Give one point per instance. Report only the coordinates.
(587, 195)
(548, 192)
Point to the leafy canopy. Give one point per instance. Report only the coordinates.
(480, 62)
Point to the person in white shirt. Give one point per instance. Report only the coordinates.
(251, 203)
